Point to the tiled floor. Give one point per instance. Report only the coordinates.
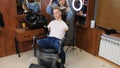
(75, 59)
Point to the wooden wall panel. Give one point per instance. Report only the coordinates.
(2, 44)
(90, 12)
(10, 45)
(88, 39)
(8, 9)
(108, 14)
(44, 4)
(3, 33)
(81, 38)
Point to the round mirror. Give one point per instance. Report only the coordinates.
(77, 5)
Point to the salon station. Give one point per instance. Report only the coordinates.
(59, 34)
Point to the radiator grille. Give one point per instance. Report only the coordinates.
(110, 48)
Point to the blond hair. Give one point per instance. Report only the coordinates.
(56, 7)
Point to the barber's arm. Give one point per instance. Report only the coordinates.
(50, 3)
(49, 7)
(80, 13)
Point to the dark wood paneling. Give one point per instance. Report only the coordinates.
(3, 30)
(8, 9)
(44, 4)
(2, 44)
(88, 40)
(10, 26)
(2, 39)
(90, 12)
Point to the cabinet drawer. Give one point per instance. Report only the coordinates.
(27, 35)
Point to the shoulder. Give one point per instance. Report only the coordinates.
(51, 22)
(64, 23)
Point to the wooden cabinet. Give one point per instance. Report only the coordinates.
(23, 39)
(26, 35)
(88, 39)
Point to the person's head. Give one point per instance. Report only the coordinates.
(57, 13)
(24, 6)
(62, 3)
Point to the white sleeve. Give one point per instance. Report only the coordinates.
(66, 26)
(48, 26)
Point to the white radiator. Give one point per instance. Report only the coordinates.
(110, 48)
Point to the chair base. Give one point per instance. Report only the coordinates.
(58, 65)
(35, 66)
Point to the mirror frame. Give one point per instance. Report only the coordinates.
(19, 3)
(80, 7)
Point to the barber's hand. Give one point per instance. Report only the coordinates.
(51, 0)
(63, 8)
(80, 13)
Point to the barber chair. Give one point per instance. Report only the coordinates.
(47, 58)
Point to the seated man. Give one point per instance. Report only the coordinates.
(57, 30)
(67, 16)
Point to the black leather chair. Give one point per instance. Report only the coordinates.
(47, 58)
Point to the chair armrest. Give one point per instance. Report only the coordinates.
(61, 44)
(37, 37)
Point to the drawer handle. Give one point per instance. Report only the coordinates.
(27, 36)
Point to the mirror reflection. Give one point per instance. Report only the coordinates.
(81, 13)
(77, 4)
(24, 6)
